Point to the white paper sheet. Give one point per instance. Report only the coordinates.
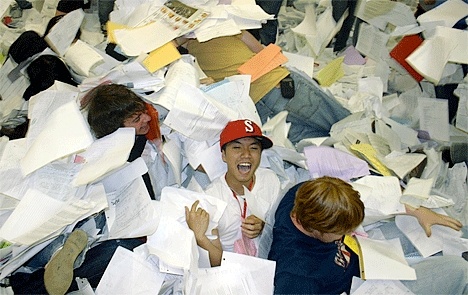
(47, 215)
(104, 155)
(372, 42)
(64, 133)
(430, 58)
(81, 57)
(384, 260)
(434, 118)
(377, 287)
(61, 36)
(449, 12)
(427, 246)
(328, 161)
(174, 244)
(197, 116)
(144, 39)
(261, 269)
(380, 193)
(10, 171)
(131, 212)
(128, 273)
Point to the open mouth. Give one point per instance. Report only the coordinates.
(143, 130)
(244, 167)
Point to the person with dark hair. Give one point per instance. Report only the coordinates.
(109, 107)
(310, 251)
(240, 231)
(113, 106)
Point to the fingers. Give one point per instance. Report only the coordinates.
(451, 222)
(250, 233)
(427, 229)
(252, 226)
(195, 212)
(253, 222)
(435, 218)
(194, 206)
(251, 219)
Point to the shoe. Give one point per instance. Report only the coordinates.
(58, 274)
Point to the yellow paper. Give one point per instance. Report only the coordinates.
(368, 153)
(331, 72)
(111, 27)
(353, 244)
(160, 57)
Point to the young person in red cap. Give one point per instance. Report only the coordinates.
(240, 230)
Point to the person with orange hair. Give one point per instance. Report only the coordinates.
(310, 251)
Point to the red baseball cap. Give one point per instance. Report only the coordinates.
(243, 128)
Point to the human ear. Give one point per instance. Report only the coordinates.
(223, 155)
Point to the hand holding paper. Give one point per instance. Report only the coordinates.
(252, 226)
(197, 220)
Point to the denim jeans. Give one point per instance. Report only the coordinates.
(436, 274)
(311, 111)
(42, 257)
(105, 7)
(440, 275)
(93, 267)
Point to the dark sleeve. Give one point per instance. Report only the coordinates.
(287, 283)
(69, 5)
(137, 150)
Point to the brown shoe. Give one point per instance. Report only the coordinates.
(58, 274)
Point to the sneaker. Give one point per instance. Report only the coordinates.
(58, 274)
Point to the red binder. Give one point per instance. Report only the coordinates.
(403, 49)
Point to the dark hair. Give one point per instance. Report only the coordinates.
(329, 205)
(26, 45)
(43, 71)
(53, 21)
(109, 106)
